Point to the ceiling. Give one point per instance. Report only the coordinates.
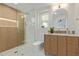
(26, 7)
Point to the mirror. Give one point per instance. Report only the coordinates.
(60, 18)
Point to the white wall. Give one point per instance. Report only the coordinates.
(76, 18)
(73, 15)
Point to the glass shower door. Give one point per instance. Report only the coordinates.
(30, 28)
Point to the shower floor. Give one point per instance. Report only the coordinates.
(23, 50)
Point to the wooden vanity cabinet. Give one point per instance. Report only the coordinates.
(61, 45)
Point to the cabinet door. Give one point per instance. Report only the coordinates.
(72, 46)
(47, 44)
(53, 45)
(50, 44)
(61, 45)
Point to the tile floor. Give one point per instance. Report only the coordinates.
(24, 50)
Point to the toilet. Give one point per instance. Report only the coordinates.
(39, 44)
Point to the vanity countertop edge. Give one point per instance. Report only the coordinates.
(75, 35)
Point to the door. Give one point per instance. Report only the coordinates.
(50, 45)
(72, 46)
(53, 46)
(47, 44)
(62, 46)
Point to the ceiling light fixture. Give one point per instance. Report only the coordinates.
(59, 5)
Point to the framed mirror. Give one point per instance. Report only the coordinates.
(60, 17)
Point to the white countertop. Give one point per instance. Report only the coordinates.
(76, 35)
